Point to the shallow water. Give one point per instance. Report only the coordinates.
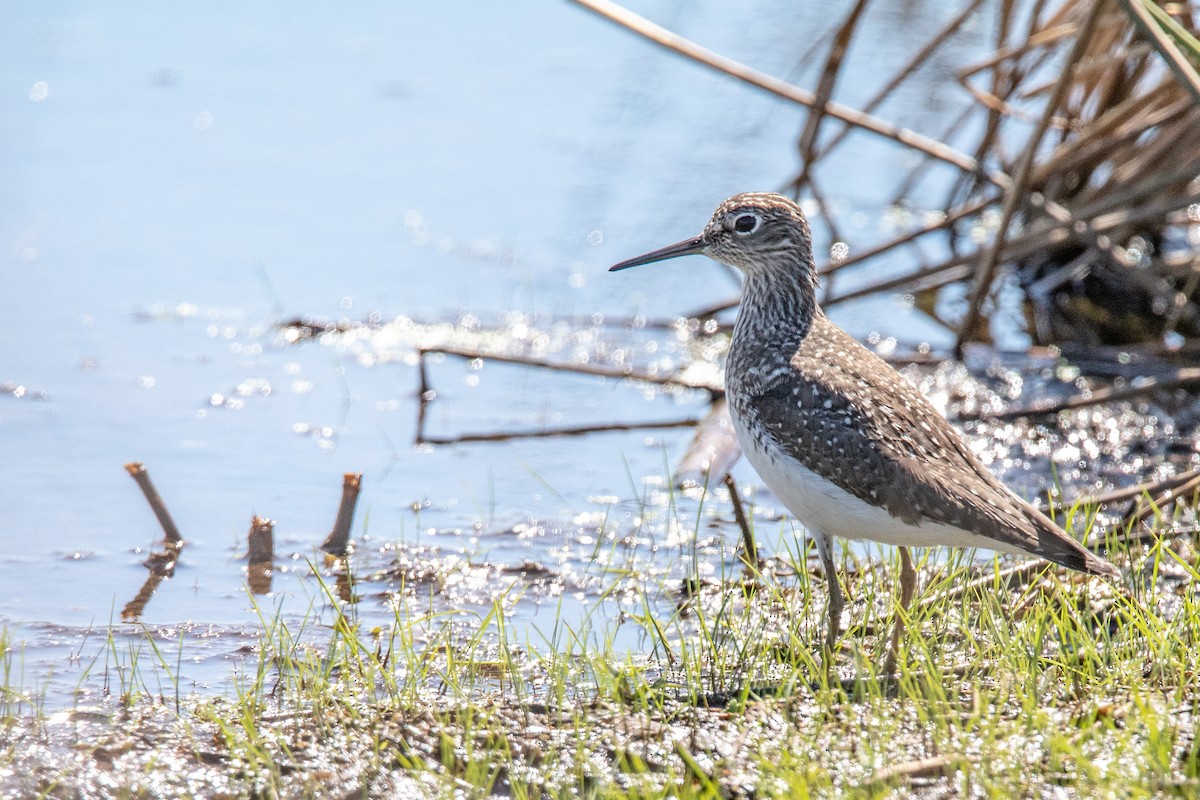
(177, 182)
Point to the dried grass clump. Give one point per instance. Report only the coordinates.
(1085, 173)
(1117, 145)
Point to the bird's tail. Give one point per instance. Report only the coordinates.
(1054, 544)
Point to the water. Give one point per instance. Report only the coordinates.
(177, 181)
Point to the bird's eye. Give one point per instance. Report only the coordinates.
(746, 223)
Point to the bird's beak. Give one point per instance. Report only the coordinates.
(688, 247)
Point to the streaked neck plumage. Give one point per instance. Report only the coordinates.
(777, 311)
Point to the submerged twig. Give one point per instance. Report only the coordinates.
(1181, 378)
(427, 394)
(581, 369)
(1147, 488)
(545, 433)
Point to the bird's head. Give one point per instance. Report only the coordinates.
(764, 235)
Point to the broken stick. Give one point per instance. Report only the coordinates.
(337, 543)
(142, 477)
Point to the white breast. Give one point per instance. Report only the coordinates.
(825, 508)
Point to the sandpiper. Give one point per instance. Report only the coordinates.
(848, 445)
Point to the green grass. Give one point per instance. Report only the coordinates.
(1059, 684)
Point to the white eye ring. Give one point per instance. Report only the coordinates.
(741, 227)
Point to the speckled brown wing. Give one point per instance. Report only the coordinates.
(846, 414)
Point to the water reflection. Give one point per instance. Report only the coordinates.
(260, 546)
(161, 565)
(344, 580)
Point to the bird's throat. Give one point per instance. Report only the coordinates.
(773, 319)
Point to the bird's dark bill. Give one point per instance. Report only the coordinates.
(688, 247)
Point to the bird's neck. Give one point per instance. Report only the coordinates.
(776, 308)
(775, 315)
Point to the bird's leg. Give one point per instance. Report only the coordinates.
(908, 587)
(836, 598)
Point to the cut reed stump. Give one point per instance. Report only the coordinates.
(261, 550)
(337, 543)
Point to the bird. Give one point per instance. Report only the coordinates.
(843, 440)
